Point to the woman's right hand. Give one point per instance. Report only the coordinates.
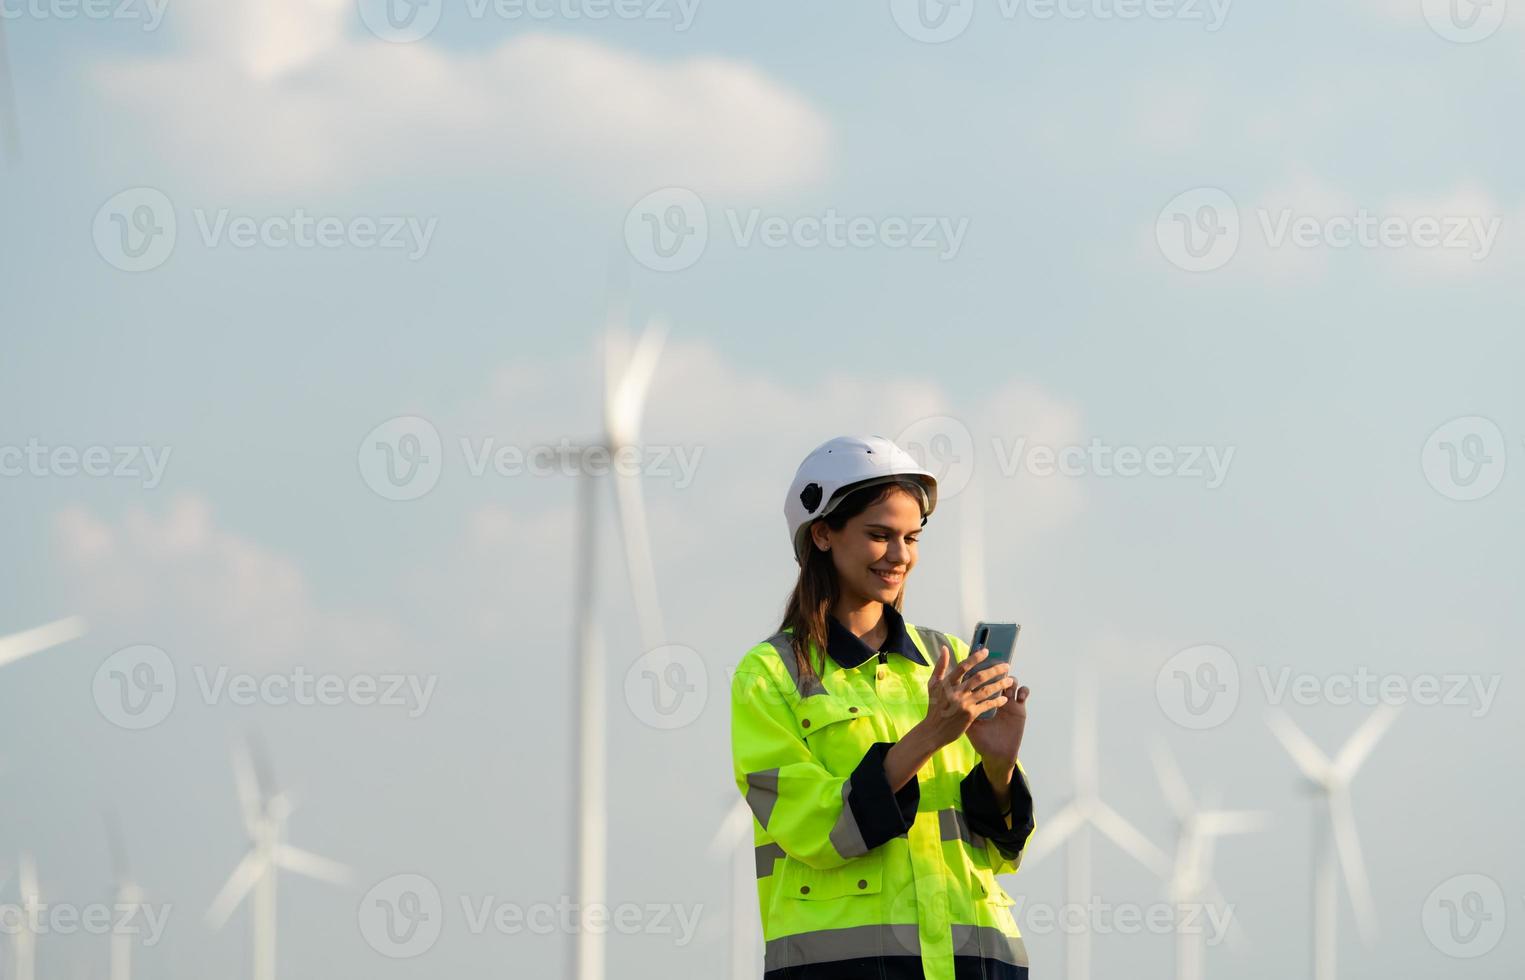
(957, 693)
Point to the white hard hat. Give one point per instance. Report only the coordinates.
(847, 463)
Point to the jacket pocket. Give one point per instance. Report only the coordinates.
(860, 876)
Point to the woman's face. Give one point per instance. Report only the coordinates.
(875, 550)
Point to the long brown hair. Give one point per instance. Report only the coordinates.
(817, 589)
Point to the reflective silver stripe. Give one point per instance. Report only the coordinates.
(783, 645)
(762, 793)
(989, 942)
(827, 945)
(954, 827)
(934, 640)
(846, 836)
(766, 854)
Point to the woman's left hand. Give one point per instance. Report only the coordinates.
(999, 739)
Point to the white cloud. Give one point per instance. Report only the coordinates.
(279, 97)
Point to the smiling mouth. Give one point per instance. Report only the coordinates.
(890, 578)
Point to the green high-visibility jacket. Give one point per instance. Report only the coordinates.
(851, 877)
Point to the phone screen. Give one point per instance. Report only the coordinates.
(1000, 639)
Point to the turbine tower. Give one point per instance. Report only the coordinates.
(265, 810)
(127, 899)
(734, 838)
(627, 379)
(1197, 830)
(1334, 829)
(24, 939)
(1085, 812)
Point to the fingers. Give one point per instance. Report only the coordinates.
(940, 669)
(961, 669)
(989, 688)
(1022, 694)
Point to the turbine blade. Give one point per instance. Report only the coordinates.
(40, 638)
(972, 559)
(1221, 823)
(311, 865)
(1360, 745)
(1348, 844)
(1172, 783)
(1051, 833)
(1086, 764)
(1313, 763)
(643, 577)
(250, 803)
(26, 878)
(625, 392)
(235, 888)
(735, 827)
(1123, 834)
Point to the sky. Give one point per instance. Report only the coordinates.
(1205, 315)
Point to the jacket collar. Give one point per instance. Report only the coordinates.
(848, 650)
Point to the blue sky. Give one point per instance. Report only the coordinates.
(1063, 316)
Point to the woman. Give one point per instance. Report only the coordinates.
(884, 809)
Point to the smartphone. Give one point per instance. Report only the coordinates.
(1000, 639)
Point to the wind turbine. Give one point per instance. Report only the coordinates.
(1197, 830)
(1330, 780)
(624, 391)
(1084, 812)
(10, 129)
(734, 837)
(265, 810)
(40, 638)
(126, 900)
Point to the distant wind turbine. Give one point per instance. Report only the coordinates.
(627, 380)
(1334, 824)
(40, 638)
(265, 810)
(1084, 812)
(1197, 829)
(24, 940)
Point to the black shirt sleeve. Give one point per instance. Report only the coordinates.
(983, 814)
(881, 814)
